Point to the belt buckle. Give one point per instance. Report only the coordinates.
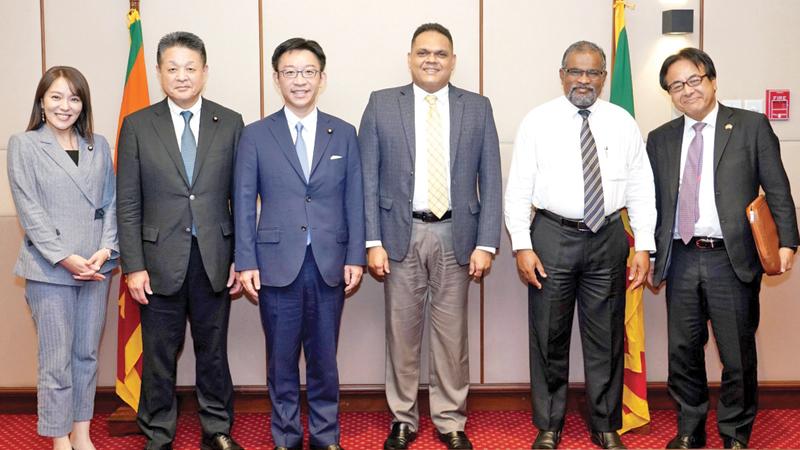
(704, 243)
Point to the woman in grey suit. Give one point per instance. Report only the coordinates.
(62, 181)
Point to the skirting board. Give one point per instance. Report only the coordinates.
(484, 397)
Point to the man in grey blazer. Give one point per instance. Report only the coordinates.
(176, 239)
(428, 149)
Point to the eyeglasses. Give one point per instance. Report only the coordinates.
(306, 73)
(693, 81)
(593, 74)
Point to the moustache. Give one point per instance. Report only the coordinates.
(588, 87)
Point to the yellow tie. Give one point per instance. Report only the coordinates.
(438, 197)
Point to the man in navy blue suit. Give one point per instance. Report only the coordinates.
(306, 251)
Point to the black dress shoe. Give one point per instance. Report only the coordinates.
(157, 447)
(400, 436)
(607, 439)
(327, 447)
(547, 439)
(455, 440)
(687, 441)
(219, 441)
(733, 443)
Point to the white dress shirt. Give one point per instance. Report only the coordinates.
(547, 172)
(707, 224)
(309, 130)
(179, 124)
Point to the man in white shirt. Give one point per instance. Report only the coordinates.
(577, 161)
(428, 148)
(708, 165)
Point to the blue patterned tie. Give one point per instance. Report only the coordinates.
(302, 154)
(188, 146)
(300, 147)
(593, 205)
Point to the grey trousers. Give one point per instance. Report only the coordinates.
(428, 278)
(69, 320)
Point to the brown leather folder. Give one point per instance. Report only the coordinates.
(765, 233)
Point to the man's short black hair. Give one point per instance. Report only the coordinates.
(432, 27)
(699, 58)
(298, 44)
(181, 39)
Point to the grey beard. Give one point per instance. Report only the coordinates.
(582, 100)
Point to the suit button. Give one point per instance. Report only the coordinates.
(187, 229)
(191, 197)
(409, 200)
(308, 199)
(304, 228)
(412, 173)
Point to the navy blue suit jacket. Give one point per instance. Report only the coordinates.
(331, 203)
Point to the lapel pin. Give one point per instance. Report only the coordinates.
(330, 130)
(728, 126)
(215, 119)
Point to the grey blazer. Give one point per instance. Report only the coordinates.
(64, 209)
(158, 203)
(387, 141)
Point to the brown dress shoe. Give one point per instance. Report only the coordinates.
(219, 441)
(400, 436)
(288, 448)
(547, 439)
(455, 440)
(327, 447)
(687, 441)
(607, 439)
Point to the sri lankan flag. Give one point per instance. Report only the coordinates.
(129, 327)
(635, 412)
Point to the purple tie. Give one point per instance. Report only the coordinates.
(688, 196)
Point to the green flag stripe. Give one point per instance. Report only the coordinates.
(136, 46)
(621, 84)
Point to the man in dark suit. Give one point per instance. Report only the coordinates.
(307, 247)
(176, 240)
(428, 148)
(708, 166)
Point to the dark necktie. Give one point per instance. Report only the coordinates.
(689, 193)
(593, 206)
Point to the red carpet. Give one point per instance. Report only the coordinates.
(777, 428)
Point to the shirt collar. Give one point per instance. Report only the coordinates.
(710, 119)
(442, 95)
(176, 110)
(309, 122)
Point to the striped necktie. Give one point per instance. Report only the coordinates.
(438, 195)
(593, 206)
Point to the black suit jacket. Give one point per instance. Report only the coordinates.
(746, 158)
(157, 203)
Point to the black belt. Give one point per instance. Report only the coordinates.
(576, 224)
(427, 216)
(704, 243)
